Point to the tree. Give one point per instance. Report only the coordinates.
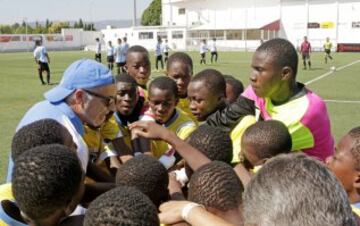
(80, 24)
(47, 24)
(5, 29)
(152, 14)
(56, 27)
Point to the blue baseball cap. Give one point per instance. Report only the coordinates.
(82, 74)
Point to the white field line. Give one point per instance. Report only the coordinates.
(344, 101)
(330, 72)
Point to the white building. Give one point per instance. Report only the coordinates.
(147, 36)
(236, 24)
(242, 23)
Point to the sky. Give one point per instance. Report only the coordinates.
(12, 11)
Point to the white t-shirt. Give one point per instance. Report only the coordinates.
(203, 48)
(158, 49)
(124, 49)
(118, 53)
(110, 51)
(40, 54)
(213, 47)
(166, 48)
(98, 48)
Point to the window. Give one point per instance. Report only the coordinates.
(162, 34)
(234, 35)
(146, 35)
(177, 35)
(181, 11)
(253, 34)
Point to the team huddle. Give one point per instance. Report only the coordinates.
(182, 148)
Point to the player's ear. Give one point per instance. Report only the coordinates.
(286, 73)
(79, 98)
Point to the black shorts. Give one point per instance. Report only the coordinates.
(202, 55)
(327, 51)
(121, 64)
(110, 59)
(305, 56)
(166, 54)
(159, 58)
(44, 66)
(97, 55)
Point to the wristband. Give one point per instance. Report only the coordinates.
(187, 208)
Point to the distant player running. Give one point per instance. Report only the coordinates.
(305, 50)
(43, 60)
(327, 49)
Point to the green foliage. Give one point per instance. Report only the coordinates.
(152, 14)
(39, 28)
(5, 29)
(56, 27)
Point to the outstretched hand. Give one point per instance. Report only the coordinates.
(148, 129)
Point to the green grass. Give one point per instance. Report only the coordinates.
(20, 87)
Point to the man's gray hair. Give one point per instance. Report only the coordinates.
(294, 189)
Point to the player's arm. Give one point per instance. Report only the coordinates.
(242, 174)
(48, 58)
(151, 130)
(178, 211)
(92, 191)
(96, 173)
(230, 116)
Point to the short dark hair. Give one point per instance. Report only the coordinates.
(137, 49)
(45, 179)
(180, 57)
(213, 143)
(273, 197)
(217, 186)
(355, 149)
(164, 83)
(282, 52)
(126, 78)
(355, 133)
(147, 174)
(213, 80)
(44, 131)
(268, 138)
(124, 206)
(237, 85)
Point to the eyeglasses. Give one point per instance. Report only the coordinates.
(108, 101)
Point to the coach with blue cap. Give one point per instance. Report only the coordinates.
(85, 95)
